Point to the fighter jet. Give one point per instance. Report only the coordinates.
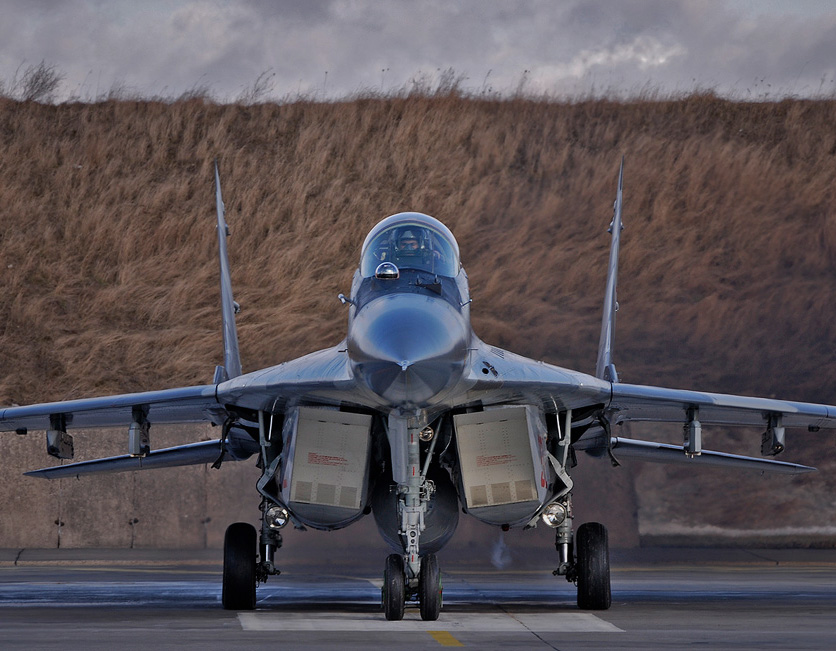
(413, 418)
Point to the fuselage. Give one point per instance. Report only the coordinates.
(409, 326)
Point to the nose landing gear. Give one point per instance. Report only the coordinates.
(411, 576)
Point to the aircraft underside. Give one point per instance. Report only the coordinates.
(325, 467)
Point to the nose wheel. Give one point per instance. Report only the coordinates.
(429, 588)
(394, 593)
(396, 588)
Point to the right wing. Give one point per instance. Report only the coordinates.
(323, 376)
(229, 401)
(184, 405)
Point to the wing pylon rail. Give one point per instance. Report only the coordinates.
(181, 455)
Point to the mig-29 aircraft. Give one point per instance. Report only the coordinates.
(413, 418)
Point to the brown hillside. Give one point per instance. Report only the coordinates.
(108, 250)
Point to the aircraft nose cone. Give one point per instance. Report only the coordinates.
(407, 348)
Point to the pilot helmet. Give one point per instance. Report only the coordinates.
(408, 240)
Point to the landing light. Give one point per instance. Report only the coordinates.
(554, 514)
(426, 434)
(276, 517)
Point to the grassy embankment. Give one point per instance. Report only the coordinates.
(108, 251)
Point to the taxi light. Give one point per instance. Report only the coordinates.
(276, 517)
(554, 515)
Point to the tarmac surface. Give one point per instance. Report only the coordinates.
(662, 598)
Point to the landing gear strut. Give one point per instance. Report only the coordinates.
(411, 575)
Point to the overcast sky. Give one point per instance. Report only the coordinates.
(333, 48)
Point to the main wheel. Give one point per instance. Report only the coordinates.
(239, 567)
(393, 587)
(429, 588)
(593, 567)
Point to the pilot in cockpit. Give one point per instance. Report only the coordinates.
(411, 245)
(407, 242)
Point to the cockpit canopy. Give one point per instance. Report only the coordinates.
(411, 240)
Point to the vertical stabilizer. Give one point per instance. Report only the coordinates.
(605, 368)
(229, 308)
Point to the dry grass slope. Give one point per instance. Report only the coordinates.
(107, 245)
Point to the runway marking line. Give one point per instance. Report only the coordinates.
(445, 638)
(507, 622)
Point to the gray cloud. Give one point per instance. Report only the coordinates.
(337, 47)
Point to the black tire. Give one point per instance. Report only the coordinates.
(592, 545)
(429, 588)
(393, 588)
(239, 567)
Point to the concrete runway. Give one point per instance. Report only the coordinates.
(664, 598)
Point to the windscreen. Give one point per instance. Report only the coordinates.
(411, 244)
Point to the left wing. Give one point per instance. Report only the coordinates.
(633, 402)
(602, 401)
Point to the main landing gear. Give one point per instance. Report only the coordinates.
(396, 589)
(590, 569)
(242, 570)
(593, 567)
(239, 567)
